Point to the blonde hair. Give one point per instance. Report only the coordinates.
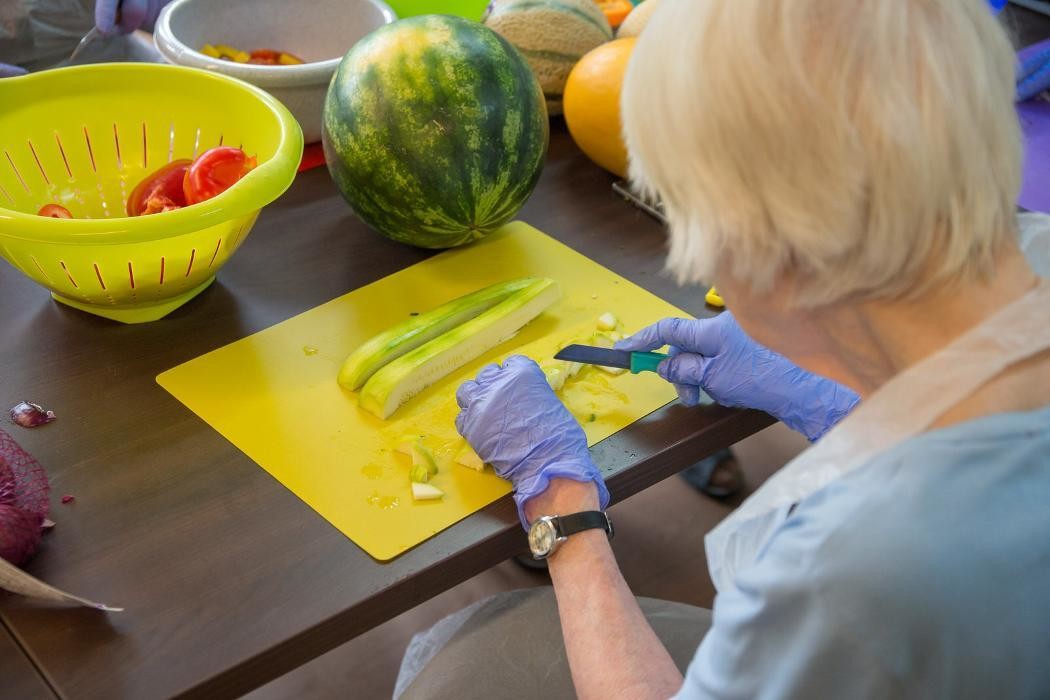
(861, 148)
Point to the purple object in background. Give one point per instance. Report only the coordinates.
(24, 501)
(1035, 123)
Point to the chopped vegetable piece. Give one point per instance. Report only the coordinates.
(54, 211)
(607, 322)
(467, 457)
(160, 191)
(605, 339)
(232, 54)
(30, 415)
(556, 377)
(421, 328)
(419, 474)
(423, 457)
(615, 371)
(265, 57)
(270, 57)
(426, 492)
(210, 51)
(413, 372)
(593, 417)
(404, 445)
(68, 498)
(714, 298)
(215, 171)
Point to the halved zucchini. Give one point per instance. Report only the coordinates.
(410, 334)
(411, 373)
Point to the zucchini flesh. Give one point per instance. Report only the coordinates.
(414, 371)
(467, 457)
(410, 334)
(426, 492)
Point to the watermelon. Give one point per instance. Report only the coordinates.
(435, 130)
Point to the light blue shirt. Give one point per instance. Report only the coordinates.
(925, 574)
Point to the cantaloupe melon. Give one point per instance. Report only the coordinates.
(552, 35)
(636, 21)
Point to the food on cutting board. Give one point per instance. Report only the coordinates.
(54, 211)
(262, 57)
(638, 19)
(426, 492)
(424, 465)
(410, 334)
(615, 11)
(402, 378)
(608, 321)
(435, 130)
(714, 298)
(419, 449)
(552, 35)
(468, 458)
(592, 104)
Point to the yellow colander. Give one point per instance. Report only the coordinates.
(83, 137)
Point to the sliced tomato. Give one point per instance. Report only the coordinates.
(215, 171)
(160, 191)
(54, 211)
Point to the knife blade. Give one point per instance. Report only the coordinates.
(83, 44)
(634, 361)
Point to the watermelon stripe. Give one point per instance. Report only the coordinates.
(554, 5)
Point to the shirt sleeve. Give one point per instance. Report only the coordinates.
(794, 627)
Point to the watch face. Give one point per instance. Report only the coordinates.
(541, 537)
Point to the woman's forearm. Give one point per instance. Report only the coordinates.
(613, 652)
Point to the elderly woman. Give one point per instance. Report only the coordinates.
(845, 171)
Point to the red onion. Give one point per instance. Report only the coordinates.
(24, 502)
(30, 415)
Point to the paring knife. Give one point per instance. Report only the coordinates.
(90, 37)
(590, 355)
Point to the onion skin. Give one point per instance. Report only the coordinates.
(30, 415)
(24, 501)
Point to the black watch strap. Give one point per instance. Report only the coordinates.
(587, 520)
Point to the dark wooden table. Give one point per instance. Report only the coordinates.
(228, 579)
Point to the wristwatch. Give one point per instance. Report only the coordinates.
(548, 532)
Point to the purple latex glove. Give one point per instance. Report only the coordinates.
(717, 356)
(134, 14)
(513, 420)
(9, 71)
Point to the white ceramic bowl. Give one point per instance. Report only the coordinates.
(319, 31)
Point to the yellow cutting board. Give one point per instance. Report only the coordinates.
(274, 394)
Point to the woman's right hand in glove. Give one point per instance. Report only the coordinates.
(716, 356)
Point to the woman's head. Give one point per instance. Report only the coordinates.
(828, 149)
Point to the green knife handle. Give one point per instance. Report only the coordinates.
(646, 361)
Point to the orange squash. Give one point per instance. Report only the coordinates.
(616, 11)
(592, 104)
